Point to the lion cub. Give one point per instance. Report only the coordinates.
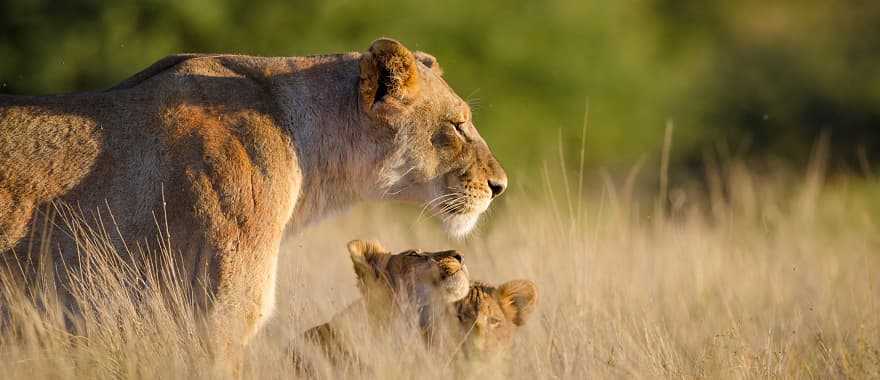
(408, 288)
(486, 320)
(479, 320)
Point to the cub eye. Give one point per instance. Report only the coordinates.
(494, 322)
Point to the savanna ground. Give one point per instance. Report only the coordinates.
(763, 276)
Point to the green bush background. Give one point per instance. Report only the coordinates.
(740, 78)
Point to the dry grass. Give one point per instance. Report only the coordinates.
(764, 279)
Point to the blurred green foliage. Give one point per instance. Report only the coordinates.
(757, 79)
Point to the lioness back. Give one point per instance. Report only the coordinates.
(152, 133)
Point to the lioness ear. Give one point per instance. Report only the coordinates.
(389, 78)
(429, 61)
(365, 256)
(518, 299)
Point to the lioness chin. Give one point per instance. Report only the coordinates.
(226, 151)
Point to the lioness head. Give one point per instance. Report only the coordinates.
(438, 157)
(411, 278)
(489, 316)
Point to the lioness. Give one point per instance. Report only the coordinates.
(475, 319)
(239, 147)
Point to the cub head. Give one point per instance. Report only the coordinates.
(407, 279)
(438, 157)
(489, 316)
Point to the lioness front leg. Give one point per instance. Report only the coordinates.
(244, 299)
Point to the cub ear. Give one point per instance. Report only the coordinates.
(389, 78)
(366, 256)
(430, 62)
(518, 299)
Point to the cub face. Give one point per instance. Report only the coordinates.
(488, 317)
(438, 157)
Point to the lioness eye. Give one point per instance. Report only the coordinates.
(494, 322)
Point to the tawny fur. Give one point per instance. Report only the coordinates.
(400, 289)
(480, 325)
(488, 317)
(238, 147)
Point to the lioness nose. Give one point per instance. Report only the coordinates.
(497, 186)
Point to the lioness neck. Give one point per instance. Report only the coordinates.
(338, 148)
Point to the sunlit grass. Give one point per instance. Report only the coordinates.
(757, 277)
